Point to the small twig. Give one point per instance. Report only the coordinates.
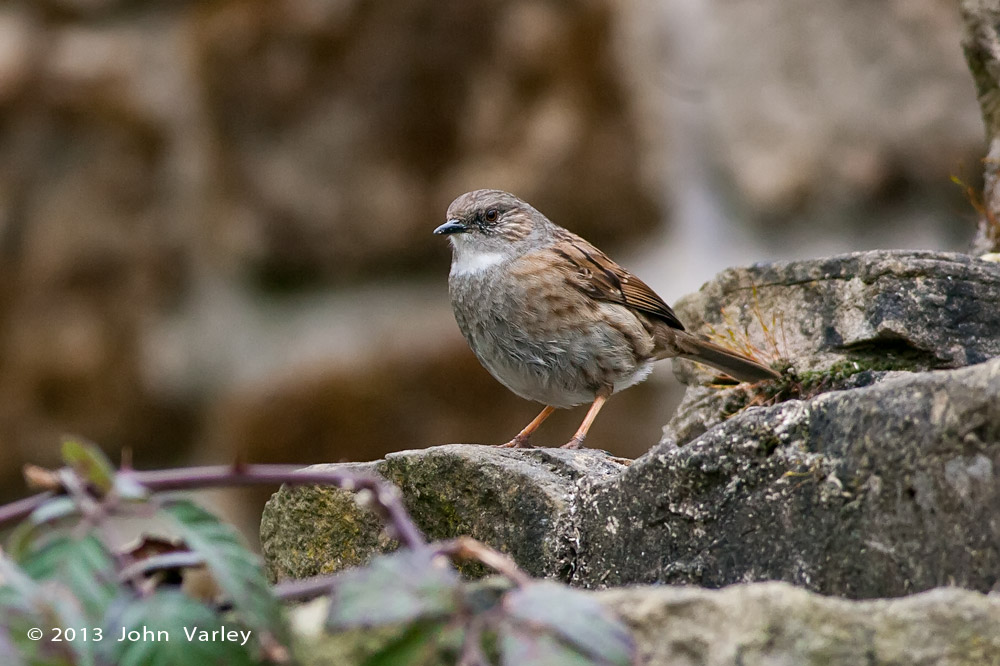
(467, 548)
(23, 507)
(175, 560)
(88, 506)
(303, 589)
(472, 650)
(462, 548)
(126, 463)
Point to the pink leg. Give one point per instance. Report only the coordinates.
(520, 440)
(588, 420)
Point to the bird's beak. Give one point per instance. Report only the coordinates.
(451, 227)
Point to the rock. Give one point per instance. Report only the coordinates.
(704, 407)
(520, 501)
(776, 623)
(878, 491)
(842, 322)
(365, 406)
(755, 624)
(330, 531)
(884, 309)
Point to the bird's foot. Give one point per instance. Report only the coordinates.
(575, 443)
(516, 443)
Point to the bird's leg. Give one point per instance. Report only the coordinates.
(520, 440)
(581, 433)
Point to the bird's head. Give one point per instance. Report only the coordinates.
(494, 223)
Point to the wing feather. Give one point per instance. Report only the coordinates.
(597, 275)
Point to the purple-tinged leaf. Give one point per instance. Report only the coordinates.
(404, 586)
(522, 646)
(575, 617)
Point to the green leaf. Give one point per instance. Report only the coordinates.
(24, 605)
(416, 646)
(523, 647)
(16, 616)
(159, 623)
(10, 653)
(54, 607)
(574, 616)
(54, 509)
(234, 568)
(48, 604)
(83, 565)
(65, 611)
(90, 464)
(15, 584)
(22, 537)
(17, 649)
(405, 586)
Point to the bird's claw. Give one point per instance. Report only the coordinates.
(516, 443)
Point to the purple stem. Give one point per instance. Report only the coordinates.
(385, 497)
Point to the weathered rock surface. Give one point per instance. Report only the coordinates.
(879, 491)
(765, 624)
(331, 531)
(885, 309)
(873, 492)
(775, 624)
(842, 322)
(520, 501)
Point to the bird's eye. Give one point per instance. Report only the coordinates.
(491, 215)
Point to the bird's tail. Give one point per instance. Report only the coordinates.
(732, 363)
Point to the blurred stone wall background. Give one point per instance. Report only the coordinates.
(215, 215)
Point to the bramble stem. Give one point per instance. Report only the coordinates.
(467, 548)
(383, 498)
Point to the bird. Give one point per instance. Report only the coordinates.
(553, 318)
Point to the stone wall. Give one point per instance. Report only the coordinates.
(215, 216)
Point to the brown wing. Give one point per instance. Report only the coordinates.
(601, 278)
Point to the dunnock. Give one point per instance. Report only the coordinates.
(555, 320)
